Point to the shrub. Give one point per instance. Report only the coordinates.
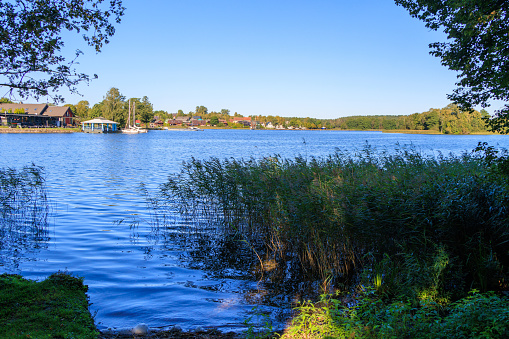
(476, 316)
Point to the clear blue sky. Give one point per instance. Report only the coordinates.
(321, 58)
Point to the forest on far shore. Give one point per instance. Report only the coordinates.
(448, 120)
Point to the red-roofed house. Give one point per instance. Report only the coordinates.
(60, 116)
(246, 121)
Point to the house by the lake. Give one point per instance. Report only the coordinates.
(35, 115)
(246, 121)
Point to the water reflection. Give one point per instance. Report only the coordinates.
(229, 262)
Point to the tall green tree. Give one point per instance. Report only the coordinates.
(145, 112)
(214, 120)
(162, 115)
(477, 47)
(96, 111)
(432, 120)
(114, 106)
(82, 109)
(32, 61)
(201, 110)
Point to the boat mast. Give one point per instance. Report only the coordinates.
(128, 124)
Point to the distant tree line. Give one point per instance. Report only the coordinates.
(448, 120)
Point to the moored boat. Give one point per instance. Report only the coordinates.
(133, 129)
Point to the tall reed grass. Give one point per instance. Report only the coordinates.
(24, 210)
(422, 224)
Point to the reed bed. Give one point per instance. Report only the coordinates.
(24, 210)
(404, 222)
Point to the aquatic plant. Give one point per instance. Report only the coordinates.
(441, 221)
(261, 329)
(24, 210)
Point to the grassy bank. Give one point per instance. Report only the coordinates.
(54, 308)
(57, 307)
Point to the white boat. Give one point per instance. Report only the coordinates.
(192, 128)
(132, 129)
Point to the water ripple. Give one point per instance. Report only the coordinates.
(101, 226)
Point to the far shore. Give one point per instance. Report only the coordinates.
(407, 131)
(401, 131)
(78, 130)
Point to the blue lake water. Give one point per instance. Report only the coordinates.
(101, 228)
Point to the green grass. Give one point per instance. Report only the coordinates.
(475, 316)
(54, 308)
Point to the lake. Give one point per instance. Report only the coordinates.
(101, 228)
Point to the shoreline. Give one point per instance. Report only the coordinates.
(77, 130)
(37, 130)
(390, 131)
(429, 132)
(173, 334)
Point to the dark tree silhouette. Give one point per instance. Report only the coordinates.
(31, 41)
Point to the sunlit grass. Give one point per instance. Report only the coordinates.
(475, 316)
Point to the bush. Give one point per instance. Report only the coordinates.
(476, 316)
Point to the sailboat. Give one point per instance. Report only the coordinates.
(132, 129)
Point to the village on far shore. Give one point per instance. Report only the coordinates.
(48, 116)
